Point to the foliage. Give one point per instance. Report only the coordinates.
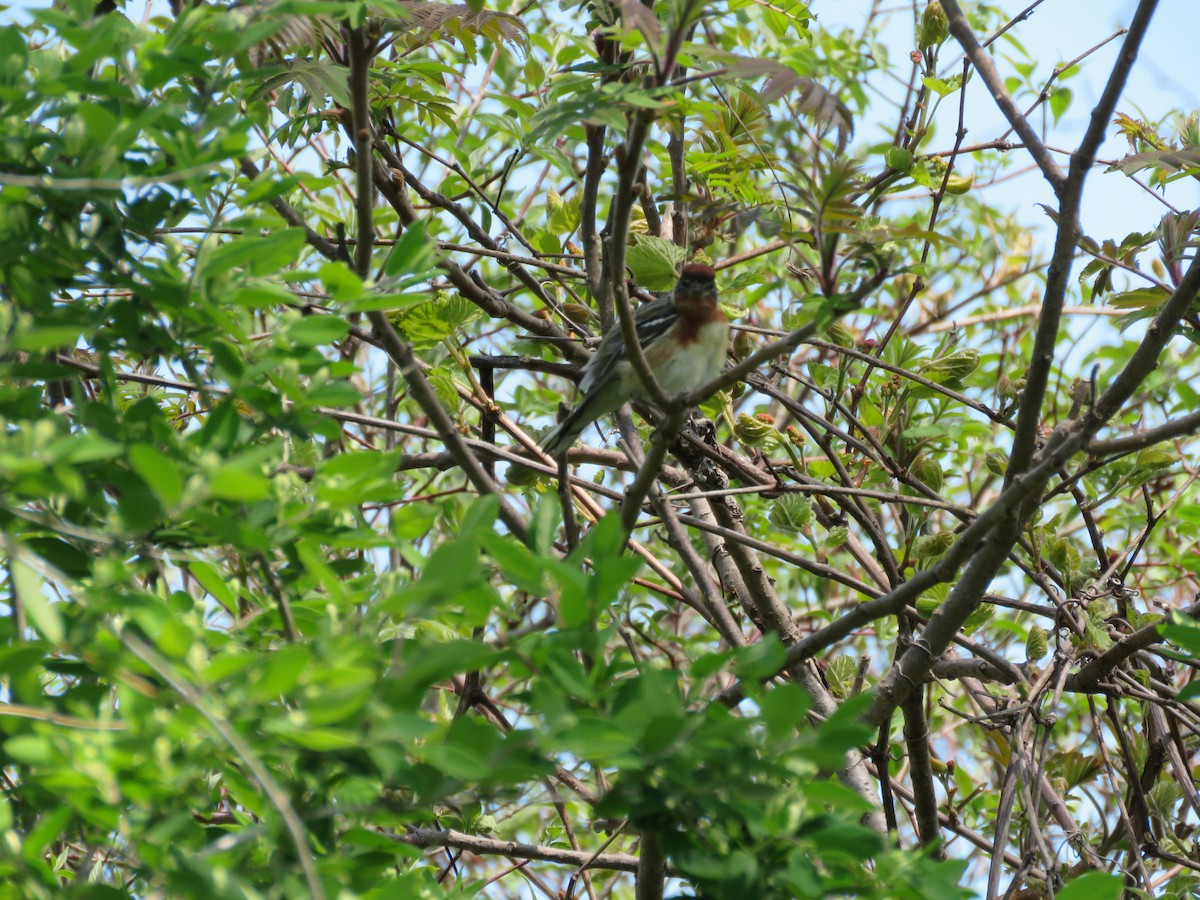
(293, 605)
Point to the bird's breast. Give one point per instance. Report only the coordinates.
(695, 361)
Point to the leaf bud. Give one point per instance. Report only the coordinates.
(996, 462)
(892, 386)
(791, 512)
(743, 344)
(928, 470)
(935, 26)
(839, 334)
(753, 431)
(840, 675)
(929, 546)
(1036, 644)
(838, 535)
(960, 184)
(520, 476)
(952, 367)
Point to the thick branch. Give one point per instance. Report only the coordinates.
(916, 737)
(631, 506)
(1097, 668)
(1181, 427)
(360, 111)
(652, 869)
(1070, 193)
(427, 838)
(614, 257)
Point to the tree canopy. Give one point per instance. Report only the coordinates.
(900, 606)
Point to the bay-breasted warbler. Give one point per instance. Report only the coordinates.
(683, 335)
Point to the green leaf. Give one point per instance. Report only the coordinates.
(281, 672)
(212, 582)
(85, 447)
(899, 158)
(371, 302)
(257, 255)
(653, 260)
(48, 337)
(464, 754)
(322, 740)
(231, 482)
(30, 749)
(31, 593)
(414, 252)
(1140, 298)
(420, 665)
(428, 324)
(612, 570)
(316, 331)
(1093, 886)
(159, 471)
(262, 295)
(446, 386)
(791, 512)
(782, 709)
(1060, 101)
(49, 827)
(343, 285)
(525, 570)
(761, 659)
(596, 740)
(1171, 160)
(943, 86)
(65, 557)
(321, 78)
(562, 215)
(1183, 633)
(1190, 692)
(334, 393)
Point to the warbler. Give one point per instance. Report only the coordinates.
(683, 335)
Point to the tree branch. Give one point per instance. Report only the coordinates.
(1070, 193)
(916, 738)
(427, 838)
(1181, 427)
(361, 128)
(652, 868)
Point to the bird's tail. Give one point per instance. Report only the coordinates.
(594, 405)
(560, 438)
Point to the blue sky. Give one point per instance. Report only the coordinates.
(1165, 79)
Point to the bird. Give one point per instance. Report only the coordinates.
(684, 336)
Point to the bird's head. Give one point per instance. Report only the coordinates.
(697, 285)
